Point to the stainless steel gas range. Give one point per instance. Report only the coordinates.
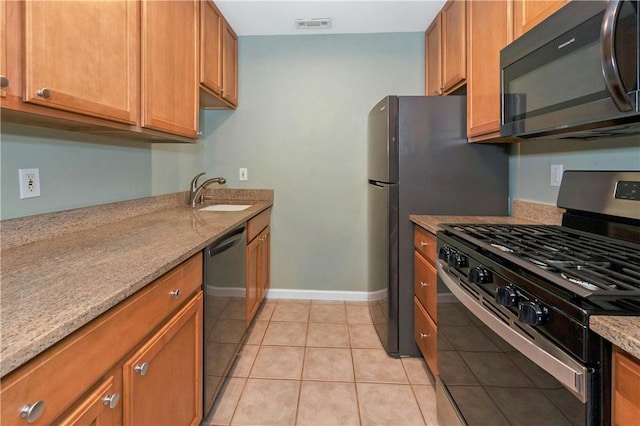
(514, 345)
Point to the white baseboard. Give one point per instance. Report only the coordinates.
(350, 296)
(281, 293)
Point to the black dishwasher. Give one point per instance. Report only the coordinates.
(224, 309)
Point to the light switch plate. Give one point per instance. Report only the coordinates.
(556, 174)
(243, 173)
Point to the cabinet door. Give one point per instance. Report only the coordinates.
(169, 66)
(425, 335)
(101, 406)
(529, 13)
(253, 296)
(211, 23)
(625, 389)
(163, 379)
(229, 65)
(490, 28)
(454, 45)
(264, 262)
(82, 56)
(425, 285)
(4, 81)
(433, 57)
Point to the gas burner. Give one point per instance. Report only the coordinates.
(586, 284)
(502, 248)
(566, 263)
(541, 264)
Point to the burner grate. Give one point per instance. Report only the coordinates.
(587, 264)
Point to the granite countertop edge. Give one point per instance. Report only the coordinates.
(41, 306)
(622, 331)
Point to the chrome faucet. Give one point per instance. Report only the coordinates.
(195, 191)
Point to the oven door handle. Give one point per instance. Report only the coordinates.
(565, 369)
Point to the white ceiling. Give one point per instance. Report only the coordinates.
(270, 17)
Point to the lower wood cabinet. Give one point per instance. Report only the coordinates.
(162, 380)
(425, 285)
(258, 261)
(86, 377)
(625, 389)
(101, 406)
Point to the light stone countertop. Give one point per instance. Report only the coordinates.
(622, 331)
(54, 286)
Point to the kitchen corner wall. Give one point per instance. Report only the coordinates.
(530, 163)
(300, 129)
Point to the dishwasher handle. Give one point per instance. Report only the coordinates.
(228, 241)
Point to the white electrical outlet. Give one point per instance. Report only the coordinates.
(29, 183)
(556, 174)
(243, 174)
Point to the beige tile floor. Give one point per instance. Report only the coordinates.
(321, 363)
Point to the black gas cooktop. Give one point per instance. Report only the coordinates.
(587, 265)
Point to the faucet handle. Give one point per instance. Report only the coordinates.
(194, 181)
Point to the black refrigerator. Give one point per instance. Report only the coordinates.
(419, 162)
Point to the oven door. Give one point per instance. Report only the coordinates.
(492, 373)
(552, 77)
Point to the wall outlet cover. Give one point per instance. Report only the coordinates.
(29, 180)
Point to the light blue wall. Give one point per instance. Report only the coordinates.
(530, 163)
(301, 130)
(76, 170)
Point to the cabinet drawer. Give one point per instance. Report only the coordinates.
(425, 334)
(425, 284)
(69, 368)
(257, 223)
(425, 243)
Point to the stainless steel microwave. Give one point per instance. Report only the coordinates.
(575, 75)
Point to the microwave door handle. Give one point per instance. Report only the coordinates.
(608, 58)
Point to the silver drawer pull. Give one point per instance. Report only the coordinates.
(4, 81)
(111, 400)
(423, 284)
(175, 293)
(423, 335)
(423, 244)
(142, 369)
(31, 412)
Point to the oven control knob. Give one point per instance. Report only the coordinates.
(506, 296)
(533, 313)
(457, 260)
(443, 253)
(479, 275)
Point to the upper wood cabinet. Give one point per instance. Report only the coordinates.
(170, 47)
(218, 59)
(4, 80)
(229, 65)
(211, 23)
(529, 13)
(490, 28)
(78, 57)
(433, 54)
(445, 44)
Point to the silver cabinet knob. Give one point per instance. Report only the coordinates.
(175, 293)
(111, 400)
(199, 134)
(423, 244)
(31, 412)
(142, 369)
(4, 81)
(423, 335)
(44, 93)
(423, 284)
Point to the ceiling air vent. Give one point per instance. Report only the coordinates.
(315, 23)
